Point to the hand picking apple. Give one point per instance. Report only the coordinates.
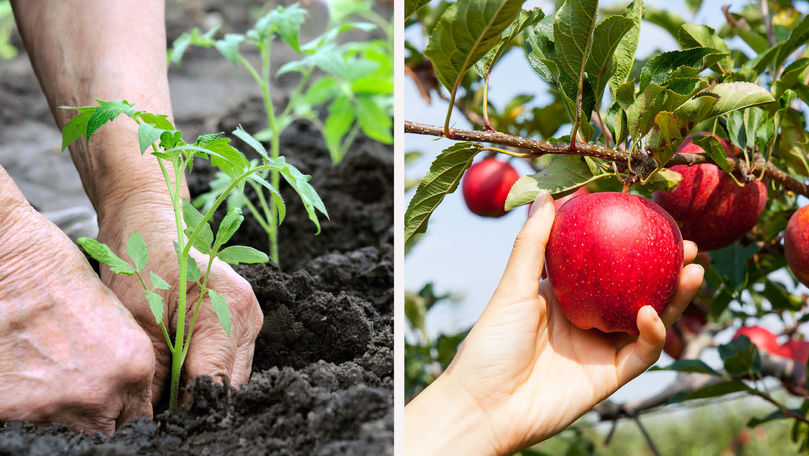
(525, 372)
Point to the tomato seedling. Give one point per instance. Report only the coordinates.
(355, 82)
(193, 227)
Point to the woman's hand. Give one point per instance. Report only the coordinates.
(524, 371)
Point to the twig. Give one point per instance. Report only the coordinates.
(765, 15)
(539, 148)
(646, 436)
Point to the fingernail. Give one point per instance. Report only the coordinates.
(540, 201)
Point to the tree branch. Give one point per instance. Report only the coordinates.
(539, 148)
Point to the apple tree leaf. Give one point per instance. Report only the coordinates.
(625, 51)
(560, 175)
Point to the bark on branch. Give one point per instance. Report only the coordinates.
(539, 148)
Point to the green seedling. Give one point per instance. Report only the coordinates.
(354, 84)
(194, 230)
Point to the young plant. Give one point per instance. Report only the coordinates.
(355, 85)
(157, 133)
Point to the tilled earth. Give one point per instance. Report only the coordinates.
(323, 370)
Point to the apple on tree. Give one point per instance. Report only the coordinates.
(608, 255)
(764, 340)
(486, 185)
(796, 244)
(709, 206)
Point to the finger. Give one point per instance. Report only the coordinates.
(689, 252)
(527, 259)
(243, 364)
(690, 281)
(635, 358)
(137, 404)
(212, 352)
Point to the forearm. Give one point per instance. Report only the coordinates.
(106, 49)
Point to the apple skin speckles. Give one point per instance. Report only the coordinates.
(608, 255)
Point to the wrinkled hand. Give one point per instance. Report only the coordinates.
(212, 352)
(69, 351)
(524, 371)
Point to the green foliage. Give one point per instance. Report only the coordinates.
(174, 153)
(352, 80)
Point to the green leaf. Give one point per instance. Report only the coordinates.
(226, 157)
(793, 75)
(102, 253)
(411, 6)
(466, 31)
(240, 133)
(693, 5)
(227, 228)
(321, 91)
(625, 51)
(731, 263)
(157, 282)
(286, 21)
(684, 63)
(689, 365)
(714, 149)
(138, 251)
(339, 120)
(573, 29)
(155, 305)
(220, 307)
(665, 137)
(373, 120)
(526, 19)
(75, 127)
(157, 120)
(740, 357)
(716, 389)
(192, 219)
(229, 47)
(601, 63)
(738, 95)
(236, 254)
(300, 182)
(106, 112)
(693, 35)
(560, 175)
(797, 38)
(147, 135)
(442, 179)
(193, 274)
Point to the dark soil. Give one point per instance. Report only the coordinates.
(322, 379)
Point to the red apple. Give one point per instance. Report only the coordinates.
(711, 209)
(796, 244)
(608, 255)
(797, 350)
(690, 323)
(486, 186)
(763, 339)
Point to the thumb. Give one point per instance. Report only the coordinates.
(524, 268)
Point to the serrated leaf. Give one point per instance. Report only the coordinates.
(193, 274)
(731, 263)
(227, 228)
(236, 254)
(526, 19)
(138, 251)
(442, 179)
(155, 305)
(338, 122)
(466, 31)
(75, 128)
(665, 137)
(683, 63)
(157, 282)
(738, 95)
(573, 28)
(797, 38)
(562, 174)
(157, 120)
(693, 35)
(601, 62)
(106, 112)
(220, 307)
(625, 51)
(411, 6)
(695, 366)
(103, 254)
(240, 133)
(147, 135)
(309, 197)
(228, 46)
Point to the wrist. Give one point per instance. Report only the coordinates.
(445, 419)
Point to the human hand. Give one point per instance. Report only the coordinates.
(69, 351)
(212, 352)
(525, 372)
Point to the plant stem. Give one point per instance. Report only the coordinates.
(196, 308)
(176, 359)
